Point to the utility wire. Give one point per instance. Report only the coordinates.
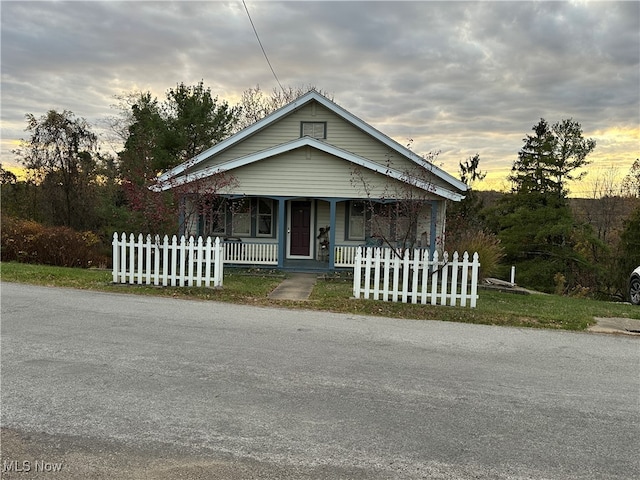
(263, 52)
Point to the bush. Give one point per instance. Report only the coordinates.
(486, 244)
(30, 242)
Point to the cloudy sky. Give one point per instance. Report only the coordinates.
(456, 77)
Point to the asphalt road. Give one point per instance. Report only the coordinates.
(120, 386)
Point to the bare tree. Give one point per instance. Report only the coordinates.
(255, 104)
(62, 154)
(393, 214)
(631, 182)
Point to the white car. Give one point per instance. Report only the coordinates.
(634, 287)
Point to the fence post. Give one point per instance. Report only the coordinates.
(357, 272)
(199, 260)
(405, 276)
(140, 255)
(376, 274)
(114, 249)
(416, 270)
(190, 260)
(148, 260)
(367, 273)
(132, 254)
(454, 279)
(387, 266)
(156, 260)
(166, 270)
(434, 278)
(207, 262)
(444, 278)
(218, 267)
(182, 259)
(474, 279)
(425, 277)
(465, 279)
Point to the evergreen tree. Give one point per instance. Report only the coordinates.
(534, 223)
(550, 157)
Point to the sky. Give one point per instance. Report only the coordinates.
(459, 78)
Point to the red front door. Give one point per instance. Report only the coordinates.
(300, 228)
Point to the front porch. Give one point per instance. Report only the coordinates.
(302, 233)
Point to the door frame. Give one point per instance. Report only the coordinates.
(312, 207)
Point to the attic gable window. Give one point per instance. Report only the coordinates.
(313, 129)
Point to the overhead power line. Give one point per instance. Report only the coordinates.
(263, 51)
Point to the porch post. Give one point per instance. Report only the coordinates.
(282, 232)
(332, 233)
(434, 226)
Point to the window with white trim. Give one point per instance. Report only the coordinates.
(241, 219)
(356, 221)
(264, 217)
(215, 223)
(213, 219)
(314, 129)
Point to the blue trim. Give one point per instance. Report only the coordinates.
(434, 225)
(282, 231)
(332, 233)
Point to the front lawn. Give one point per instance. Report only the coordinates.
(334, 294)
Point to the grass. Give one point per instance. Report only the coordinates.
(253, 288)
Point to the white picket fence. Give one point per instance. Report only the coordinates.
(379, 274)
(156, 261)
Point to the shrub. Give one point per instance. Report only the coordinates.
(486, 244)
(30, 242)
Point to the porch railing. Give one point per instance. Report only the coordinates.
(345, 255)
(245, 253)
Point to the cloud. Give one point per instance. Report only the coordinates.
(459, 77)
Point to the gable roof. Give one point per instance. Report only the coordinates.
(319, 145)
(310, 96)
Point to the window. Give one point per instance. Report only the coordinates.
(213, 220)
(314, 129)
(381, 221)
(356, 221)
(265, 217)
(241, 223)
(215, 223)
(390, 221)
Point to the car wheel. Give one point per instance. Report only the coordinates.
(634, 290)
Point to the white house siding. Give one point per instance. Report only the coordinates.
(307, 172)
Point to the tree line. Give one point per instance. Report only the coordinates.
(558, 244)
(72, 181)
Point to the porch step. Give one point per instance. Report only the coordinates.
(297, 287)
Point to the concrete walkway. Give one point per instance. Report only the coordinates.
(626, 326)
(296, 287)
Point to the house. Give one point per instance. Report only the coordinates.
(307, 183)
